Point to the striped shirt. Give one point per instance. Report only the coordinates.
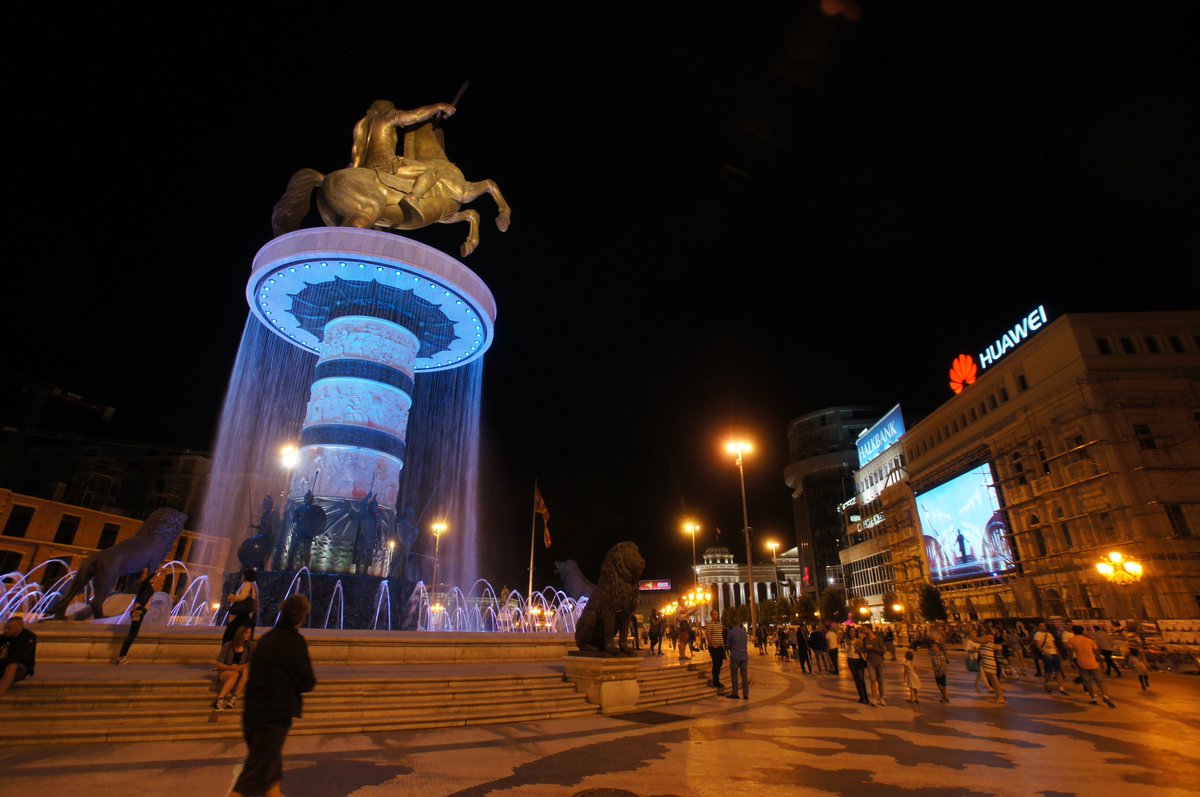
(716, 634)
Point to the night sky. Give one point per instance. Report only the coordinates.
(724, 216)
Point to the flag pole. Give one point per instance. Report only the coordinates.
(532, 538)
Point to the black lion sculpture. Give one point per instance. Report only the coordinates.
(611, 603)
(145, 550)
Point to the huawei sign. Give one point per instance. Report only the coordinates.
(962, 373)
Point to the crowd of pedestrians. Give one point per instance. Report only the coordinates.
(996, 656)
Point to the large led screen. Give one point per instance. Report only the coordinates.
(965, 533)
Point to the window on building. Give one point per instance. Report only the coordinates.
(108, 535)
(1039, 539)
(1018, 469)
(10, 561)
(1179, 522)
(1127, 346)
(992, 401)
(1152, 345)
(1043, 457)
(1144, 435)
(1004, 394)
(1068, 542)
(1022, 383)
(1177, 345)
(67, 529)
(973, 415)
(1108, 529)
(18, 522)
(1104, 346)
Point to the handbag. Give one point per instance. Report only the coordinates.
(972, 662)
(245, 606)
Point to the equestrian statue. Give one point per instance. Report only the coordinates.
(390, 190)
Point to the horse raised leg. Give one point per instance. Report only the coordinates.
(472, 219)
(472, 191)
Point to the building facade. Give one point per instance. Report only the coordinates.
(822, 458)
(1086, 436)
(46, 540)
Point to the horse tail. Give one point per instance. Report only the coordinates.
(293, 206)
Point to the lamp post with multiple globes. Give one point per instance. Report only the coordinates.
(739, 448)
(1120, 571)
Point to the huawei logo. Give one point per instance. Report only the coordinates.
(962, 373)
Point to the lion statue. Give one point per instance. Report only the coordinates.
(575, 583)
(145, 550)
(612, 602)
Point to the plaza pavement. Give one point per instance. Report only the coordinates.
(798, 734)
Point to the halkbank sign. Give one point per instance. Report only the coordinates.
(1011, 338)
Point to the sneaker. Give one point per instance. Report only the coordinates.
(217, 705)
(1062, 691)
(745, 697)
(1094, 702)
(731, 697)
(1108, 702)
(231, 701)
(121, 660)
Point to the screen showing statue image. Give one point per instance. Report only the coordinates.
(965, 533)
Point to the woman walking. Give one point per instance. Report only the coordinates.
(987, 663)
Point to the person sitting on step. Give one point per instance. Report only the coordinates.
(233, 668)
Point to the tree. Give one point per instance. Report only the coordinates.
(833, 605)
(804, 607)
(932, 607)
(889, 613)
(854, 610)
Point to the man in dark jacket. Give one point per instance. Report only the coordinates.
(18, 649)
(280, 672)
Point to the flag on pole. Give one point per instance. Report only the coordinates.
(539, 507)
(718, 528)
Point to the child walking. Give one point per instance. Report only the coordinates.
(1138, 662)
(911, 679)
(940, 661)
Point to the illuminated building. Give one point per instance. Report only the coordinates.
(1081, 440)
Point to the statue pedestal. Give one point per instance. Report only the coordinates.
(610, 683)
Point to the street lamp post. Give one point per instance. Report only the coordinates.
(1120, 572)
(438, 528)
(774, 546)
(738, 448)
(691, 528)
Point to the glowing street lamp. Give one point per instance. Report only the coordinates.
(774, 548)
(439, 528)
(691, 528)
(739, 448)
(1119, 570)
(391, 550)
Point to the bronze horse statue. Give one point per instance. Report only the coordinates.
(372, 198)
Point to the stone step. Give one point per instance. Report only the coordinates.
(171, 718)
(219, 729)
(119, 707)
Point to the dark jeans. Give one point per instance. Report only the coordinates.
(736, 669)
(805, 661)
(1109, 664)
(858, 671)
(718, 659)
(833, 661)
